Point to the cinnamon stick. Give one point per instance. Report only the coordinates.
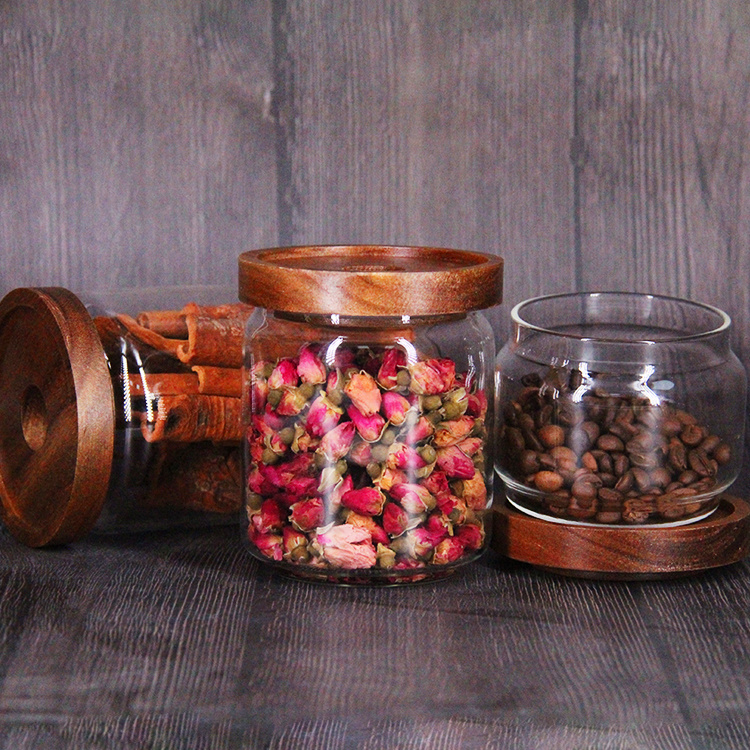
(219, 381)
(213, 341)
(168, 323)
(163, 383)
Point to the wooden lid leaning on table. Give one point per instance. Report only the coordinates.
(370, 280)
(57, 417)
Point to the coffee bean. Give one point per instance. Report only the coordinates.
(548, 481)
(610, 443)
(551, 435)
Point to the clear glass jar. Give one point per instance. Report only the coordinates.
(368, 394)
(619, 409)
(121, 412)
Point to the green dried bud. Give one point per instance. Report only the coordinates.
(269, 457)
(267, 370)
(403, 378)
(286, 435)
(452, 410)
(374, 470)
(253, 501)
(434, 417)
(321, 461)
(430, 403)
(428, 453)
(388, 437)
(341, 467)
(385, 556)
(274, 397)
(307, 390)
(379, 453)
(335, 396)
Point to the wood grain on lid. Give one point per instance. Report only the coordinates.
(370, 280)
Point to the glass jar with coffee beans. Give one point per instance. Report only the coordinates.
(619, 409)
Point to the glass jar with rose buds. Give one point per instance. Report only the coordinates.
(368, 397)
(619, 409)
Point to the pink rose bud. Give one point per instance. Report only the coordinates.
(425, 541)
(369, 428)
(322, 416)
(336, 443)
(269, 544)
(368, 501)
(477, 405)
(475, 492)
(470, 446)
(401, 456)
(284, 374)
(432, 376)
(299, 487)
(360, 454)
(395, 407)
(454, 508)
(269, 518)
(259, 394)
(334, 495)
(364, 393)
(414, 498)
(437, 484)
(389, 477)
(455, 463)
(420, 431)
(256, 482)
(292, 540)
(307, 514)
(448, 550)
(334, 380)
(348, 547)
(471, 536)
(309, 367)
(395, 519)
(439, 524)
(345, 358)
(452, 431)
(392, 360)
(377, 533)
(292, 402)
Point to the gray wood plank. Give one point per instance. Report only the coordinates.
(136, 145)
(431, 123)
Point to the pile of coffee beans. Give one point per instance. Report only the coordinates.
(607, 458)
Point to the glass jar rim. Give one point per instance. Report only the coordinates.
(724, 319)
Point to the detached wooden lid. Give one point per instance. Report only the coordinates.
(57, 417)
(370, 280)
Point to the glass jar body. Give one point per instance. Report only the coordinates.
(367, 454)
(620, 409)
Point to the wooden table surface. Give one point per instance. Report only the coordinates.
(182, 640)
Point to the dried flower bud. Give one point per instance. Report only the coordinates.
(448, 550)
(471, 446)
(414, 498)
(437, 484)
(453, 507)
(295, 545)
(269, 518)
(453, 431)
(477, 406)
(439, 524)
(471, 536)
(347, 547)
(368, 501)
(360, 453)
(364, 393)
(284, 374)
(370, 428)
(322, 416)
(402, 456)
(455, 463)
(377, 533)
(307, 514)
(390, 476)
(385, 556)
(292, 401)
(395, 407)
(336, 443)
(432, 376)
(420, 431)
(395, 519)
(309, 368)
(393, 359)
(474, 492)
(268, 544)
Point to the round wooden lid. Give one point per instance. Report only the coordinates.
(370, 280)
(57, 417)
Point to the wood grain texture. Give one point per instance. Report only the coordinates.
(182, 640)
(135, 144)
(431, 124)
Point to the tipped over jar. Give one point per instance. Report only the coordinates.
(619, 409)
(368, 406)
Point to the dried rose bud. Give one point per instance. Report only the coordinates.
(471, 445)
(303, 441)
(259, 395)
(390, 476)
(437, 484)
(402, 456)
(420, 431)
(455, 463)
(388, 372)
(368, 501)
(385, 556)
(284, 374)
(309, 368)
(322, 416)
(448, 550)
(307, 514)
(453, 431)
(432, 376)
(474, 492)
(424, 541)
(295, 545)
(453, 507)
(336, 443)
(471, 536)
(438, 523)
(370, 428)
(268, 544)
(455, 403)
(364, 393)
(293, 400)
(269, 518)
(477, 406)
(377, 533)
(395, 407)
(414, 498)
(360, 454)
(395, 519)
(267, 435)
(347, 547)
(297, 488)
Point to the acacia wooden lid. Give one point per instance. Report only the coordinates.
(370, 280)
(57, 417)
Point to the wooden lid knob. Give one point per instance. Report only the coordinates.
(57, 417)
(370, 280)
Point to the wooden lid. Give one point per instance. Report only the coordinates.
(370, 280)
(57, 417)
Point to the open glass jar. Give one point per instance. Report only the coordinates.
(619, 409)
(120, 411)
(368, 405)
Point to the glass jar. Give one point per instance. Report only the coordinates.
(121, 413)
(368, 397)
(618, 409)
